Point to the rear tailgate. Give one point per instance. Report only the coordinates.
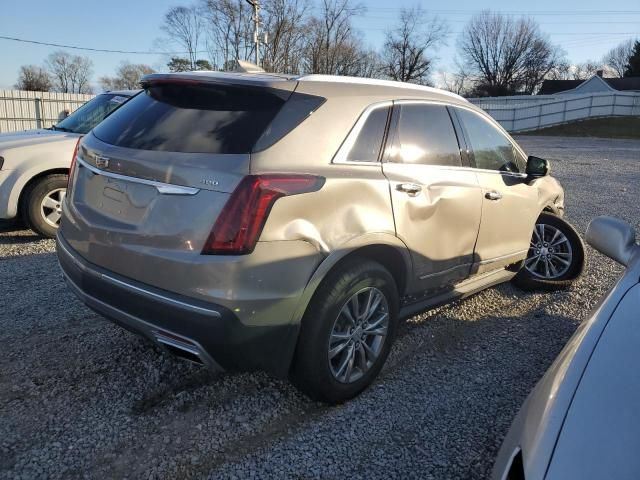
(151, 180)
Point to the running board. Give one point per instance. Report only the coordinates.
(462, 290)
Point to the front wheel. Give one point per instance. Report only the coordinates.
(346, 332)
(555, 258)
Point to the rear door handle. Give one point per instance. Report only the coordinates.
(411, 188)
(493, 195)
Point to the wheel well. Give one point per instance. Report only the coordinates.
(389, 257)
(36, 178)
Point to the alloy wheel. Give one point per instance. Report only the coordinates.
(358, 335)
(550, 253)
(51, 206)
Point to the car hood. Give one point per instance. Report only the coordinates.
(599, 437)
(31, 138)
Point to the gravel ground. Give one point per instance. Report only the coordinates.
(82, 398)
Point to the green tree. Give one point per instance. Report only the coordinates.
(633, 65)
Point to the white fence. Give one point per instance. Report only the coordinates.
(22, 110)
(521, 113)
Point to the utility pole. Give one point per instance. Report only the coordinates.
(256, 30)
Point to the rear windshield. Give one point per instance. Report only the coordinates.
(192, 118)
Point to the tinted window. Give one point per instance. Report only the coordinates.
(426, 136)
(192, 118)
(367, 146)
(91, 113)
(491, 149)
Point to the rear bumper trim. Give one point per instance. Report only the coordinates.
(143, 291)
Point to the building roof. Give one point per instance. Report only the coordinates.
(622, 84)
(550, 87)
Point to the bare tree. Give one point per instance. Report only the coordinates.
(506, 55)
(618, 57)
(229, 31)
(127, 77)
(406, 56)
(34, 78)
(458, 82)
(332, 44)
(563, 70)
(70, 73)
(286, 25)
(585, 70)
(184, 25)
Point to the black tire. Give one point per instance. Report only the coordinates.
(526, 280)
(311, 371)
(33, 196)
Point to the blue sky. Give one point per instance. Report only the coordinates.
(585, 29)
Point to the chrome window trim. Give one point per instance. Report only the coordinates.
(163, 188)
(341, 156)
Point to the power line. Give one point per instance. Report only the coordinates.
(104, 50)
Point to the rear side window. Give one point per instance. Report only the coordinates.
(426, 136)
(492, 150)
(192, 118)
(367, 146)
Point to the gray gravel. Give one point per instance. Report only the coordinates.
(80, 397)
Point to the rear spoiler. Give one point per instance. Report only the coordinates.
(249, 80)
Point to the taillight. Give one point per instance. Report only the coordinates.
(72, 169)
(240, 223)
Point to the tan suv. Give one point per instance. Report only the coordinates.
(258, 221)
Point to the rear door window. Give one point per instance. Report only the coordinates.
(492, 150)
(194, 118)
(425, 135)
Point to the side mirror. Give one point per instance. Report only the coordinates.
(612, 237)
(537, 167)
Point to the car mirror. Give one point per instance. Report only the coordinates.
(537, 167)
(612, 237)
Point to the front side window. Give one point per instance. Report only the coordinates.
(492, 150)
(367, 146)
(91, 113)
(425, 136)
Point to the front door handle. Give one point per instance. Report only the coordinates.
(493, 195)
(411, 188)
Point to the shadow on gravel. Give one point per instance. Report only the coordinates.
(13, 232)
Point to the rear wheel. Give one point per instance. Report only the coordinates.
(42, 204)
(346, 332)
(555, 258)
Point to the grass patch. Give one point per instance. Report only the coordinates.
(607, 127)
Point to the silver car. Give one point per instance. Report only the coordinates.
(582, 419)
(34, 164)
(261, 221)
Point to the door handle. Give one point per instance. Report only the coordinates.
(411, 188)
(493, 195)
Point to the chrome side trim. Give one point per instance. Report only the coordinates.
(148, 293)
(444, 272)
(163, 188)
(502, 257)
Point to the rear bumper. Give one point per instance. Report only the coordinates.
(210, 333)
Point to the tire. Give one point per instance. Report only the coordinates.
(566, 247)
(313, 372)
(36, 215)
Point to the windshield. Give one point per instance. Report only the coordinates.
(91, 113)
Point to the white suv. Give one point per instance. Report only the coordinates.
(34, 165)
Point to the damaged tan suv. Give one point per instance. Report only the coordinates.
(258, 221)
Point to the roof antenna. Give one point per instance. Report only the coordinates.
(247, 67)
